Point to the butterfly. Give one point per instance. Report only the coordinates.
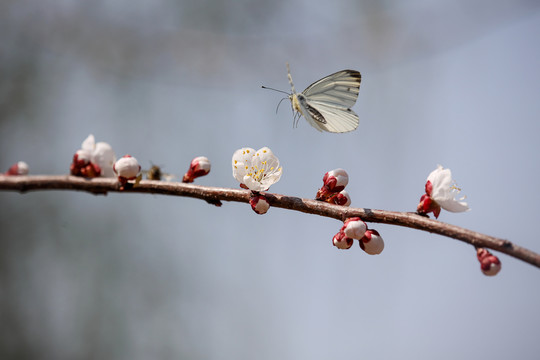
(326, 104)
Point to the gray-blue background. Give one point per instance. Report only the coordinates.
(151, 277)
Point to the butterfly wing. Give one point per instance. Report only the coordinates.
(327, 117)
(339, 89)
(326, 103)
(336, 119)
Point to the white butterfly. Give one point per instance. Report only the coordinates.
(326, 104)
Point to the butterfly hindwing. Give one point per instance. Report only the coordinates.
(325, 117)
(337, 119)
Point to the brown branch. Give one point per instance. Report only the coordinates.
(215, 195)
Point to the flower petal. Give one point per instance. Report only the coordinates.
(441, 180)
(253, 184)
(89, 143)
(104, 156)
(241, 163)
(453, 205)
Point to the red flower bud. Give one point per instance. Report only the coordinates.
(200, 166)
(489, 263)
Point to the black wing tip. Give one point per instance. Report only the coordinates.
(354, 73)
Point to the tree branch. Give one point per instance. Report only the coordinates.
(214, 195)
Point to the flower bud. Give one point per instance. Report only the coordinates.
(489, 263)
(333, 182)
(341, 241)
(83, 166)
(341, 198)
(127, 168)
(259, 203)
(200, 166)
(354, 228)
(372, 243)
(19, 168)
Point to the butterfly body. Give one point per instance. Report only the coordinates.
(314, 117)
(326, 104)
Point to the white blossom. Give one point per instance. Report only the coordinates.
(256, 170)
(101, 154)
(444, 190)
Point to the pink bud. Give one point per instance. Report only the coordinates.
(333, 182)
(127, 168)
(19, 168)
(489, 263)
(354, 228)
(341, 241)
(259, 203)
(200, 166)
(341, 198)
(372, 243)
(336, 180)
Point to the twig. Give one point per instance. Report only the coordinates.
(214, 195)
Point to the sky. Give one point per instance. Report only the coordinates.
(133, 276)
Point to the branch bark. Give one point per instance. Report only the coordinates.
(214, 195)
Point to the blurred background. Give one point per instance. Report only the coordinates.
(130, 276)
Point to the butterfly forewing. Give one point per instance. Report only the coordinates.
(340, 89)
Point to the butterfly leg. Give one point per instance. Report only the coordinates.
(296, 119)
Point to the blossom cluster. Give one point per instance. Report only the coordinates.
(354, 228)
(333, 189)
(257, 170)
(99, 160)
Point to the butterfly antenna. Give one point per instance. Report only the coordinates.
(269, 88)
(290, 78)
